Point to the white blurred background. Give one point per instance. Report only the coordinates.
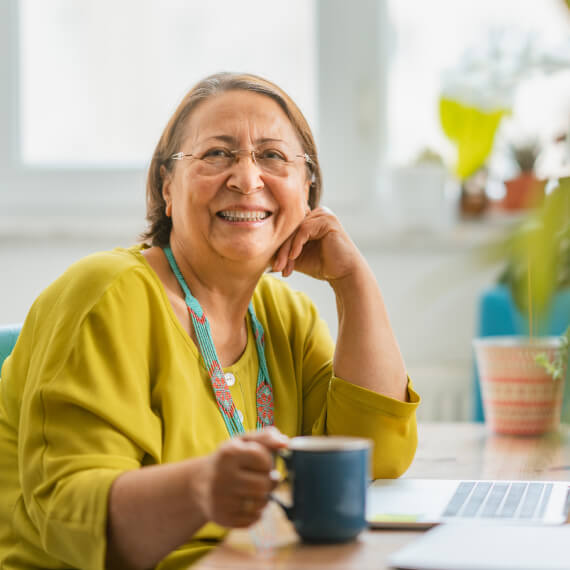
(86, 87)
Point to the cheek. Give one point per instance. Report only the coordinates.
(293, 196)
(292, 204)
(192, 193)
(294, 212)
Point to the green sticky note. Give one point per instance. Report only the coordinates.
(388, 517)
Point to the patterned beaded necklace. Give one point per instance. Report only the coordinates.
(264, 390)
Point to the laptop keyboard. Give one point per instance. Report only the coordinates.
(485, 499)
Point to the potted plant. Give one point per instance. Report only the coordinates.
(522, 381)
(525, 190)
(522, 377)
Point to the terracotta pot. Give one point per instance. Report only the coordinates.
(519, 396)
(473, 200)
(524, 191)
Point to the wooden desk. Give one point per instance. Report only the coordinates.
(445, 450)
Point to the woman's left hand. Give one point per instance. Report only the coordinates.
(319, 247)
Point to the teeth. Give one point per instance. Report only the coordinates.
(243, 216)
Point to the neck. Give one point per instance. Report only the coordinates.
(223, 289)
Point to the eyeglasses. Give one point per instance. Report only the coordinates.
(270, 161)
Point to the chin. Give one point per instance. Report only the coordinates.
(248, 256)
(257, 253)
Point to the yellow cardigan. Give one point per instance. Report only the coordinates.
(104, 379)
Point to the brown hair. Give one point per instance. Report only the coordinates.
(159, 224)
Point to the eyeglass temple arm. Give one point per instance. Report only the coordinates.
(179, 156)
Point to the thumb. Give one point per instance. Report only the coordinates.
(270, 437)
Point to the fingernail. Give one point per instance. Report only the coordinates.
(275, 475)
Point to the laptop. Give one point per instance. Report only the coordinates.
(486, 547)
(423, 503)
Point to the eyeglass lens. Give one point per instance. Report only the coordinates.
(269, 162)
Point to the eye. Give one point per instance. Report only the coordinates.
(218, 152)
(271, 154)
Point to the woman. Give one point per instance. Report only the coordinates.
(135, 367)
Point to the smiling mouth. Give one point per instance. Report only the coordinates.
(243, 215)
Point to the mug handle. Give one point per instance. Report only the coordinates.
(288, 509)
(285, 454)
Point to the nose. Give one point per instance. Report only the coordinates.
(245, 174)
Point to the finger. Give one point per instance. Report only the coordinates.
(321, 221)
(244, 520)
(254, 456)
(250, 505)
(276, 477)
(282, 255)
(314, 229)
(246, 508)
(254, 506)
(241, 498)
(288, 269)
(253, 451)
(239, 516)
(270, 437)
(253, 485)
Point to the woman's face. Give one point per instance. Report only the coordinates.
(240, 212)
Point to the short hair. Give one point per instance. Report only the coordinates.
(159, 224)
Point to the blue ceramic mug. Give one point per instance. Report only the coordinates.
(329, 477)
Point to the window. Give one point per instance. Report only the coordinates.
(100, 78)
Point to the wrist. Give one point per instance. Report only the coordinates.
(360, 276)
(199, 475)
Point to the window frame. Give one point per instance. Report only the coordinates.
(75, 201)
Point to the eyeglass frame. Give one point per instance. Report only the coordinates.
(182, 155)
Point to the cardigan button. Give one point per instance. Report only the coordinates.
(230, 379)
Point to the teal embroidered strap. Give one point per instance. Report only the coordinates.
(264, 391)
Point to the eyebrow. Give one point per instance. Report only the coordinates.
(232, 140)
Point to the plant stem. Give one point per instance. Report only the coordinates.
(529, 294)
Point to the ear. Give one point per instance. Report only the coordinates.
(166, 194)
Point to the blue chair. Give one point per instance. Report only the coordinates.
(8, 337)
(498, 316)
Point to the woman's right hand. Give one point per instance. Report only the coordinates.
(239, 477)
(149, 516)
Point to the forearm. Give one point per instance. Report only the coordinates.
(367, 353)
(152, 511)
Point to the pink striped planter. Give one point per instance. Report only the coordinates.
(519, 397)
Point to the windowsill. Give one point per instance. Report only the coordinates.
(446, 233)
(59, 228)
(368, 230)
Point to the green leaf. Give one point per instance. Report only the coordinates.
(471, 130)
(538, 252)
(556, 368)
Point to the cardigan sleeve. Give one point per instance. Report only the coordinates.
(389, 423)
(86, 418)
